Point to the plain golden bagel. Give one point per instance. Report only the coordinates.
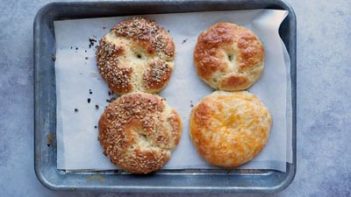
(229, 129)
(229, 57)
(136, 55)
(138, 132)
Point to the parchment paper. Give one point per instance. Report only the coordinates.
(76, 74)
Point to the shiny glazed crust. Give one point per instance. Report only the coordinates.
(229, 129)
(136, 55)
(138, 131)
(229, 57)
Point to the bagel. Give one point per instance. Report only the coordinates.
(136, 55)
(229, 57)
(138, 132)
(229, 129)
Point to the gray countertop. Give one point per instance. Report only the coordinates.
(323, 102)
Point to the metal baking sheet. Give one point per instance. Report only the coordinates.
(194, 180)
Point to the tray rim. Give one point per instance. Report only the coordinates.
(49, 184)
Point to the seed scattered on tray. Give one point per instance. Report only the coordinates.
(96, 107)
(103, 27)
(77, 48)
(71, 47)
(86, 58)
(191, 103)
(90, 92)
(75, 110)
(92, 41)
(88, 100)
(53, 57)
(184, 41)
(110, 99)
(95, 127)
(109, 93)
(85, 50)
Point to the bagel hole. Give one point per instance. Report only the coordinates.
(231, 61)
(230, 57)
(139, 56)
(143, 140)
(143, 137)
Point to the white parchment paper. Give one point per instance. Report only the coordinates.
(76, 74)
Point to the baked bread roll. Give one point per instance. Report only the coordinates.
(136, 55)
(138, 131)
(229, 129)
(229, 57)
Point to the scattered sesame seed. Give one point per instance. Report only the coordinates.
(110, 99)
(86, 58)
(53, 57)
(75, 110)
(90, 92)
(95, 127)
(184, 41)
(96, 107)
(92, 41)
(77, 48)
(88, 100)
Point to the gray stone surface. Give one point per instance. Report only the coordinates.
(324, 118)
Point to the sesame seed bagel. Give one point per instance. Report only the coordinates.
(138, 132)
(229, 57)
(229, 129)
(136, 55)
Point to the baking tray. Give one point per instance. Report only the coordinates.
(164, 180)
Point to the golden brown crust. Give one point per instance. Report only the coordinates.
(230, 128)
(141, 47)
(229, 57)
(138, 131)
